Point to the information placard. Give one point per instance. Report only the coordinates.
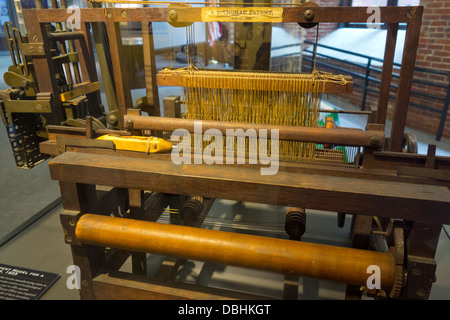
(17, 283)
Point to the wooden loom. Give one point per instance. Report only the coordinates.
(258, 97)
(405, 193)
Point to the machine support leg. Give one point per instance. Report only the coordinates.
(137, 211)
(295, 228)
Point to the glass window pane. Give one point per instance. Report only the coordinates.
(366, 3)
(402, 3)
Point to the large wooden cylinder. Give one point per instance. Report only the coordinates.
(340, 264)
(337, 136)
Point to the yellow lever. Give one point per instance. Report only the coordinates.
(138, 143)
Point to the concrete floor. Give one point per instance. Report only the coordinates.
(41, 247)
(31, 235)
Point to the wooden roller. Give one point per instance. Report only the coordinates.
(338, 136)
(340, 264)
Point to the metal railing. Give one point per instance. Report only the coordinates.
(366, 75)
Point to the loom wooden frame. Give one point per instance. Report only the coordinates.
(412, 16)
(126, 176)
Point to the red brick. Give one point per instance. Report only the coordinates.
(443, 41)
(438, 23)
(430, 16)
(434, 5)
(437, 35)
(433, 58)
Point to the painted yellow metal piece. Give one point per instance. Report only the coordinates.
(139, 143)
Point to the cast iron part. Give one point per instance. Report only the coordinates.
(295, 223)
(191, 210)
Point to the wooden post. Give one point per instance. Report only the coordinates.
(77, 199)
(405, 81)
(137, 211)
(123, 93)
(150, 69)
(43, 65)
(386, 76)
(421, 246)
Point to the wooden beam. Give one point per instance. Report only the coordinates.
(425, 203)
(150, 69)
(62, 15)
(386, 75)
(405, 80)
(172, 78)
(123, 92)
(194, 14)
(124, 286)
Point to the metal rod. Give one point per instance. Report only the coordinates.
(366, 85)
(335, 111)
(65, 35)
(338, 136)
(345, 111)
(340, 264)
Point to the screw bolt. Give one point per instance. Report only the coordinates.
(173, 15)
(309, 15)
(130, 123)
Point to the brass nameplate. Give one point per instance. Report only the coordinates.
(250, 14)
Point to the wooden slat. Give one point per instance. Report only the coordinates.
(405, 82)
(150, 69)
(121, 85)
(124, 286)
(290, 14)
(443, 175)
(178, 80)
(62, 15)
(340, 194)
(392, 160)
(387, 173)
(386, 76)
